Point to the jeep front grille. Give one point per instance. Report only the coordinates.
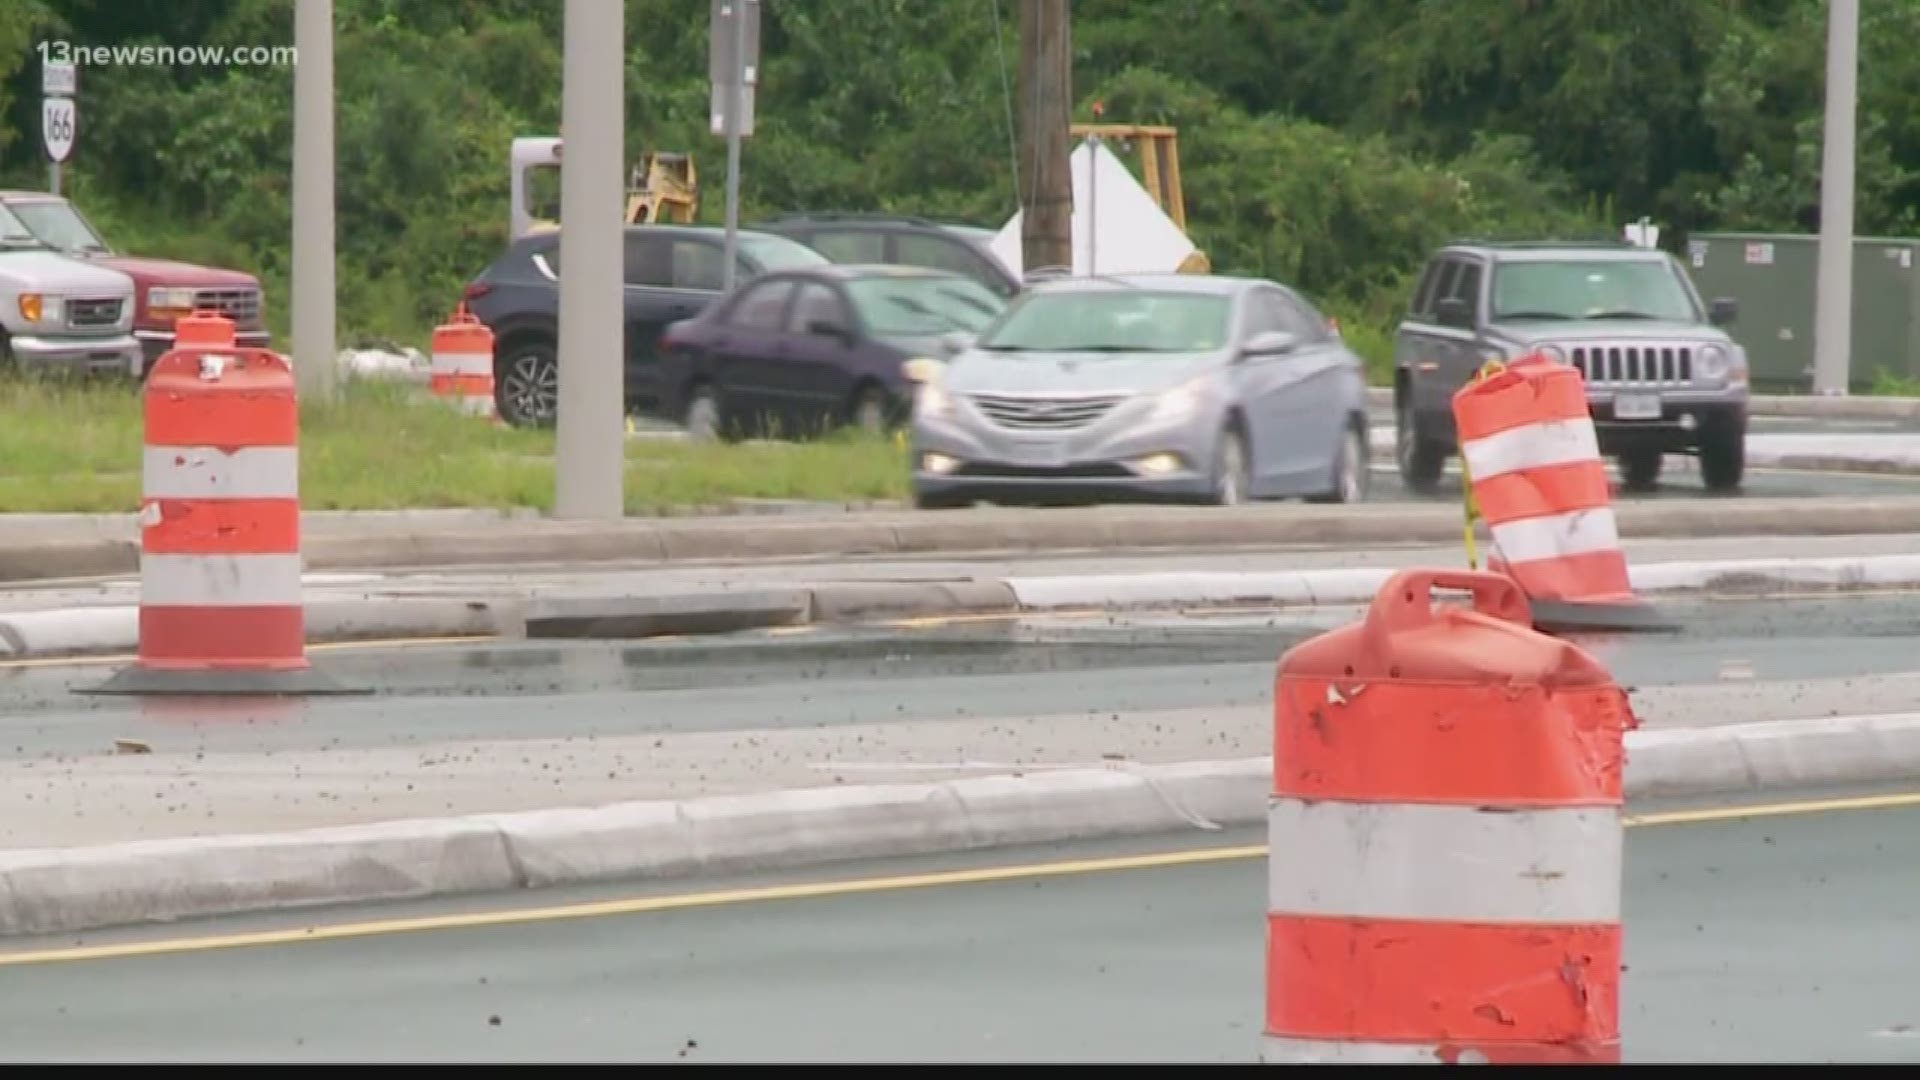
(93, 314)
(240, 305)
(1634, 365)
(1046, 414)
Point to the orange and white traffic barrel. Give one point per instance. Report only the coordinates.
(463, 363)
(221, 602)
(1445, 838)
(1532, 460)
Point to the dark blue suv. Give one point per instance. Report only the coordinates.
(672, 273)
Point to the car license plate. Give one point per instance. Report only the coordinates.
(1636, 407)
(1040, 455)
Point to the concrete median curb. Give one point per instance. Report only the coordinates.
(1311, 588)
(39, 552)
(115, 629)
(1794, 405)
(107, 630)
(52, 890)
(1779, 452)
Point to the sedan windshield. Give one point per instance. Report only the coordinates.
(1119, 320)
(905, 306)
(779, 253)
(1591, 290)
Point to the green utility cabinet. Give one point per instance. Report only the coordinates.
(1772, 275)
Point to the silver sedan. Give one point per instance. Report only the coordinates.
(1145, 387)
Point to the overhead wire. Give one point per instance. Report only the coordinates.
(1006, 100)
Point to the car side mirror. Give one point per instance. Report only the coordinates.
(1454, 312)
(1723, 311)
(1271, 343)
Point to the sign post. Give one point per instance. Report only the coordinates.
(733, 62)
(59, 116)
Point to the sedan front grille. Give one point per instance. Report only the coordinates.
(93, 314)
(1044, 414)
(240, 305)
(1634, 365)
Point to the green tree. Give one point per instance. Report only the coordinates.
(1329, 143)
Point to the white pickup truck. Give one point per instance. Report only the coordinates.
(60, 314)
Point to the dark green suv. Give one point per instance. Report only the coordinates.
(1662, 376)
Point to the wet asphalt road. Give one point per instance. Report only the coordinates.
(1771, 939)
(433, 694)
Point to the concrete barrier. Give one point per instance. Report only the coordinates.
(32, 551)
(43, 891)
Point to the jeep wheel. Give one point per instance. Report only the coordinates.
(1420, 458)
(1723, 450)
(1640, 468)
(527, 390)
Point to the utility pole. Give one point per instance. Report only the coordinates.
(735, 56)
(590, 445)
(1833, 293)
(1046, 94)
(314, 366)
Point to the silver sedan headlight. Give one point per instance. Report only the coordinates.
(931, 399)
(1176, 404)
(1553, 352)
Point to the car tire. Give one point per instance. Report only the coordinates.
(1350, 467)
(701, 417)
(1640, 469)
(869, 412)
(1231, 473)
(527, 384)
(1420, 457)
(1723, 451)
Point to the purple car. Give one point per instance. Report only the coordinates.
(799, 353)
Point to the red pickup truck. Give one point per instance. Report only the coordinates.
(163, 290)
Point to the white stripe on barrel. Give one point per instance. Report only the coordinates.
(1556, 536)
(462, 364)
(220, 580)
(206, 472)
(1531, 446)
(1443, 863)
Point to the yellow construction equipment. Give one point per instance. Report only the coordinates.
(1158, 148)
(663, 187)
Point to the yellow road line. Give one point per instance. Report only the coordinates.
(1821, 806)
(818, 889)
(312, 646)
(632, 906)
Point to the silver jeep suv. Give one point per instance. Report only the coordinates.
(58, 313)
(1662, 376)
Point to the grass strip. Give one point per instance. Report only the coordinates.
(68, 447)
